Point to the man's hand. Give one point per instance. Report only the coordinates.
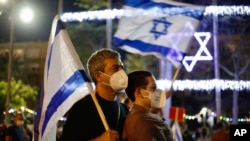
(109, 135)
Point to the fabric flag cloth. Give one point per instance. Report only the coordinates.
(163, 28)
(177, 135)
(65, 82)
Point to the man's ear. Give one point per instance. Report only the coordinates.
(138, 91)
(97, 75)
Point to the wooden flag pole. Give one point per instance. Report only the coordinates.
(174, 78)
(99, 109)
(168, 93)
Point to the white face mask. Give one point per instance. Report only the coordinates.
(158, 98)
(118, 81)
(20, 122)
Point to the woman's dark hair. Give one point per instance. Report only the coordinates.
(136, 79)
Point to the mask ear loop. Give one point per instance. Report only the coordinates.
(146, 91)
(106, 75)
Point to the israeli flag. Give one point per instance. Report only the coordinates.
(163, 28)
(177, 135)
(65, 82)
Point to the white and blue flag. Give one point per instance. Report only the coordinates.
(65, 82)
(163, 28)
(177, 135)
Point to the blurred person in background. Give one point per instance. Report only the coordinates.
(18, 131)
(221, 133)
(3, 128)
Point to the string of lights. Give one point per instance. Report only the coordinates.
(206, 85)
(222, 118)
(118, 13)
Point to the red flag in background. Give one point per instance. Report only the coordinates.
(176, 113)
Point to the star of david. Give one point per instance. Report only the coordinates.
(157, 28)
(202, 54)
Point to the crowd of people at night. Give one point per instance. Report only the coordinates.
(137, 117)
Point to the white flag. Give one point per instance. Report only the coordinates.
(65, 82)
(163, 28)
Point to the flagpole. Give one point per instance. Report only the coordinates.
(99, 109)
(9, 76)
(168, 93)
(216, 64)
(166, 73)
(60, 7)
(174, 78)
(108, 28)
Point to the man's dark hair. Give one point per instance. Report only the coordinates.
(136, 79)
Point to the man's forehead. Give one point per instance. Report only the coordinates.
(113, 62)
(19, 116)
(151, 81)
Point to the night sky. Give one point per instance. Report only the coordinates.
(39, 29)
(44, 10)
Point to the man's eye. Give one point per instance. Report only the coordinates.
(117, 68)
(153, 88)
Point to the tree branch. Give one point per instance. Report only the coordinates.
(227, 70)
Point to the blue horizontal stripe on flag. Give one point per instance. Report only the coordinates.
(183, 10)
(76, 80)
(150, 48)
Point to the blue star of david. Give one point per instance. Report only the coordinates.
(156, 29)
(202, 54)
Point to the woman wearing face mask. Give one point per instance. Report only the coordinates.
(17, 131)
(141, 124)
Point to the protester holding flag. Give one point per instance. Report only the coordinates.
(18, 131)
(83, 120)
(141, 124)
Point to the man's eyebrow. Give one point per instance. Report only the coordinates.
(117, 66)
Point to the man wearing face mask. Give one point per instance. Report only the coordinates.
(17, 131)
(83, 121)
(141, 124)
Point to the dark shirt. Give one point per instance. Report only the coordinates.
(84, 123)
(187, 137)
(142, 125)
(15, 133)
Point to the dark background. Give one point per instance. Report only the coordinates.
(39, 29)
(45, 10)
